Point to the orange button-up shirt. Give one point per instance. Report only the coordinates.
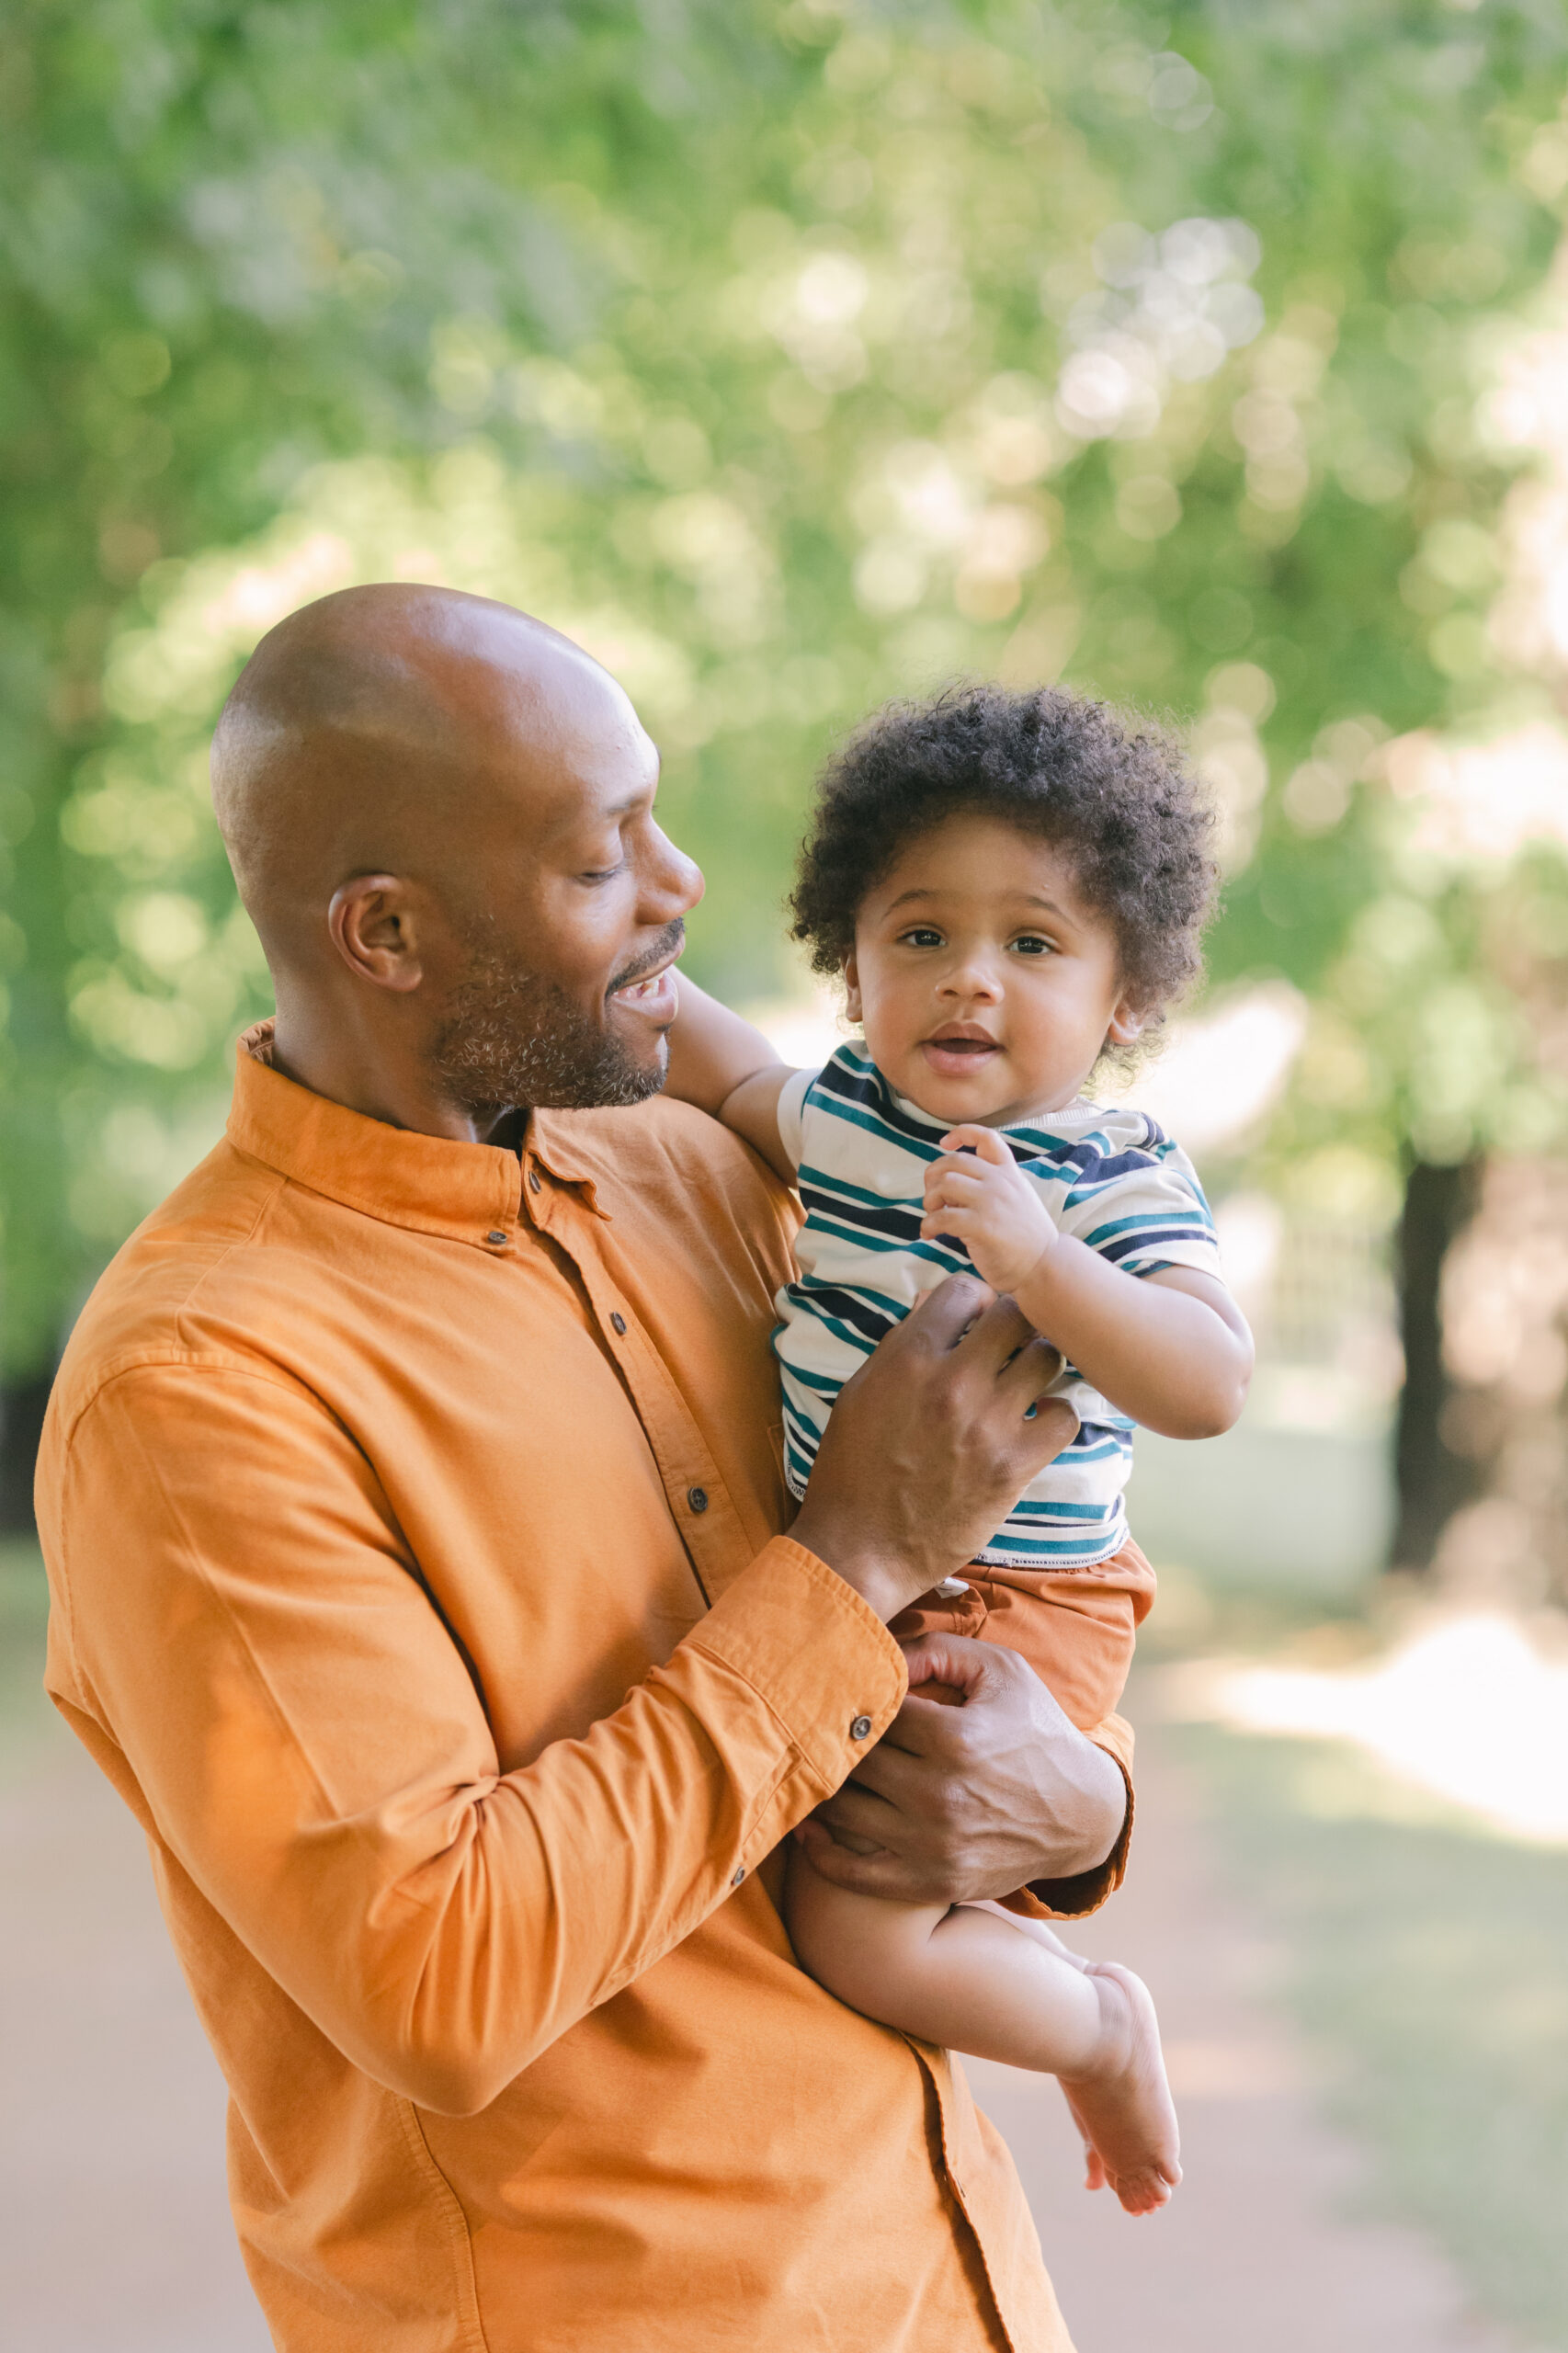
(411, 1510)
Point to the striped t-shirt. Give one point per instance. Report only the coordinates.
(1107, 1174)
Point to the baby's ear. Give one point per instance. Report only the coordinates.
(852, 1006)
(1128, 1023)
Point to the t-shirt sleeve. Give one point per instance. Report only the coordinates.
(1141, 1205)
(792, 1114)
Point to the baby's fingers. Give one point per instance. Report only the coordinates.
(954, 1186)
(984, 1142)
(957, 1225)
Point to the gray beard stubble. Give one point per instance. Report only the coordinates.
(512, 1037)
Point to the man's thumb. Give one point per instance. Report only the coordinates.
(950, 1668)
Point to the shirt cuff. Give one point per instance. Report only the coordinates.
(816, 1655)
(1071, 1899)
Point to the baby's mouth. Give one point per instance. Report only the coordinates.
(951, 1051)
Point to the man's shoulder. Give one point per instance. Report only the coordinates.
(138, 1312)
(659, 1140)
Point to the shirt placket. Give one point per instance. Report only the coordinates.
(700, 1504)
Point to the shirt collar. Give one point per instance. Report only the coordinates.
(467, 1192)
(1078, 1114)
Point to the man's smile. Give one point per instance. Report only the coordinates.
(650, 990)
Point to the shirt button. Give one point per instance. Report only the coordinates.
(739, 1876)
(533, 1180)
(617, 1323)
(496, 1238)
(861, 1727)
(698, 1498)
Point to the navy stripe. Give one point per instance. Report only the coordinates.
(848, 1305)
(901, 1225)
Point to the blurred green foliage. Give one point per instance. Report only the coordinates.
(791, 356)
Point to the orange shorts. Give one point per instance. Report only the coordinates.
(1075, 1627)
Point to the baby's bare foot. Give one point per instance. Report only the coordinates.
(1123, 2104)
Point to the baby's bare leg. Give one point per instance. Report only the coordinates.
(974, 1979)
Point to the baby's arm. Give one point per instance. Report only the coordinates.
(1170, 1349)
(725, 1067)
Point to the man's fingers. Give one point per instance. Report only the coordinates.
(957, 1660)
(868, 1805)
(1033, 1370)
(945, 1315)
(879, 1874)
(1048, 1432)
(997, 1335)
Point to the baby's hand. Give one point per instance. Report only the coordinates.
(982, 1198)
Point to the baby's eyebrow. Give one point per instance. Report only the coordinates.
(1022, 899)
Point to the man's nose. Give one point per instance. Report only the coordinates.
(672, 882)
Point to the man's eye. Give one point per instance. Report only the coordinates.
(603, 873)
(922, 936)
(1030, 943)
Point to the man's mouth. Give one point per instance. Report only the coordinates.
(652, 990)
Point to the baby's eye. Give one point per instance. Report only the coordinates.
(922, 936)
(1031, 943)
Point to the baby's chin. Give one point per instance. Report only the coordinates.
(986, 1096)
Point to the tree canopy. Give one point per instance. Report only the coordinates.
(791, 356)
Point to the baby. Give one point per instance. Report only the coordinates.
(1009, 886)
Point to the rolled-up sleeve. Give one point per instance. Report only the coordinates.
(242, 1619)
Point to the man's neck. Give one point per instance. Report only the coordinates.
(380, 1077)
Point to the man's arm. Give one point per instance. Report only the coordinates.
(1003, 1793)
(239, 1614)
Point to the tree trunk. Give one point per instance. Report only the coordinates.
(1504, 1361)
(1433, 1481)
(22, 1405)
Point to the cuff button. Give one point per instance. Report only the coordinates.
(861, 1727)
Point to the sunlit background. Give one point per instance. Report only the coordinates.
(1212, 358)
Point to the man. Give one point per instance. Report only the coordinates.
(411, 1498)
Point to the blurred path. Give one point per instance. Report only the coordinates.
(1261, 2250)
(114, 2224)
(114, 2229)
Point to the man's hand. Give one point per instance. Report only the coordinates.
(931, 1444)
(958, 1804)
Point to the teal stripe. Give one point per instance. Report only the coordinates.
(827, 1385)
(1153, 1223)
(856, 1192)
(855, 1115)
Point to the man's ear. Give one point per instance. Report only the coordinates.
(374, 930)
(852, 1005)
(1128, 1023)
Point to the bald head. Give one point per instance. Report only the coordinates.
(380, 730)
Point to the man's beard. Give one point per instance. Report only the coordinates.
(512, 1037)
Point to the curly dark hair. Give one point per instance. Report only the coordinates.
(1114, 793)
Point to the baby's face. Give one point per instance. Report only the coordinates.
(987, 986)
